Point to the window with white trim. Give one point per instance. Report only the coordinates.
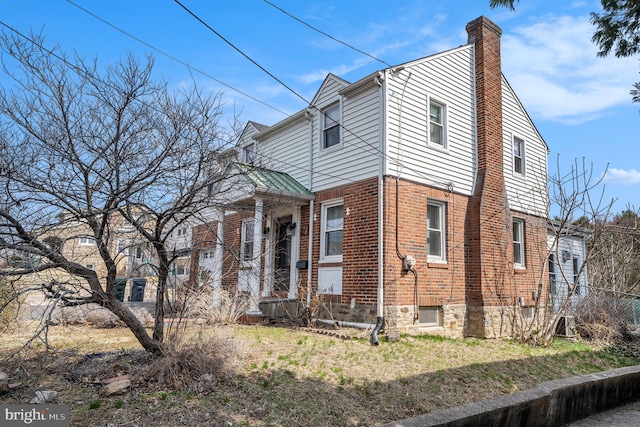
(576, 277)
(437, 123)
(331, 126)
(518, 155)
(86, 240)
(436, 231)
(518, 243)
(553, 288)
(246, 246)
(331, 234)
(249, 153)
(123, 247)
(181, 267)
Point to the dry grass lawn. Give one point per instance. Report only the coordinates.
(288, 377)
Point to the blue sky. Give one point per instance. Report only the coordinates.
(580, 103)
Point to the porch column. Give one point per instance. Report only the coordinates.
(254, 277)
(217, 259)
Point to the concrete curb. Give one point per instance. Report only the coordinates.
(553, 403)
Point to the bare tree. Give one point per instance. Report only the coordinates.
(578, 207)
(85, 150)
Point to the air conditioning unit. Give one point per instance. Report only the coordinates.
(566, 327)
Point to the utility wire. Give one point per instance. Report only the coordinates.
(328, 35)
(368, 144)
(174, 58)
(241, 52)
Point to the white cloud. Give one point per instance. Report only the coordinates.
(623, 177)
(553, 67)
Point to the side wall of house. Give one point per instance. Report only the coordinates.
(446, 79)
(436, 287)
(527, 191)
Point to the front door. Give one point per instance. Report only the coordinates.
(282, 259)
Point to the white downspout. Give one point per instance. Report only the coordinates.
(383, 127)
(309, 117)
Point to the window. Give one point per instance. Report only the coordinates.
(123, 247)
(182, 231)
(518, 155)
(91, 266)
(249, 153)
(552, 275)
(332, 226)
(246, 249)
(331, 126)
(576, 275)
(437, 124)
(518, 243)
(181, 268)
(436, 241)
(428, 316)
(138, 253)
(86, 240)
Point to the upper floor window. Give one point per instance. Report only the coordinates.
(518, 243)
(85, 240)
(437, 120)
(436, 236)
(331, 126)
(331, 234)
(249, 153)
(246, 248)
(518, 155)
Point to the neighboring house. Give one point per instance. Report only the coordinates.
(566, 265)
(75, 241)
(418, 194)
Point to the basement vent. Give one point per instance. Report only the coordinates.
(428, 316)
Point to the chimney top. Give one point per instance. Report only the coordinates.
(477, 27)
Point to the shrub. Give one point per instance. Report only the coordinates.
(210, 353)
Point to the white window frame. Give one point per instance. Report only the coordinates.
(323, 230)
(575, 266)
(325, 126)
(87, 241)
(249, 153)
(443, 124)
(247, 224)
(442, 217)
(123, 247)
(518, 243)
(521, 156)
(185, 267)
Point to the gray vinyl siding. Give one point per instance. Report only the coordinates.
(359, 155)
(288, 151)
(526, 193)
(448, 79)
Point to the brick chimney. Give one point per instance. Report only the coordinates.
(488, 237)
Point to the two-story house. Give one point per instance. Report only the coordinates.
(417, 194)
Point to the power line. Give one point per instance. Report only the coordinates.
(174, 58)
(328, 35)
(241, 52)
(237, 49)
